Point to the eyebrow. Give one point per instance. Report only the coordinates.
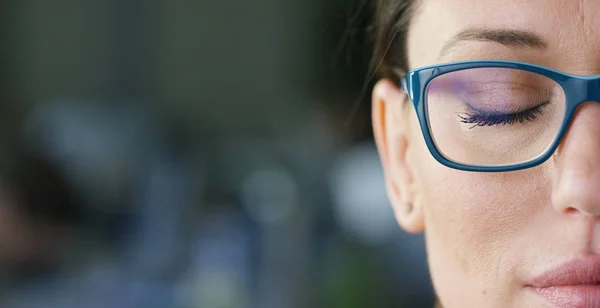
(507, 37)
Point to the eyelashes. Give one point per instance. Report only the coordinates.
(481, 118)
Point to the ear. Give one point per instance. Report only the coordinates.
(391, 129)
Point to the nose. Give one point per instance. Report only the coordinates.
(576, 185)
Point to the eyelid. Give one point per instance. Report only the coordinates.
(508, 112)
(512, 85)
(542, 97)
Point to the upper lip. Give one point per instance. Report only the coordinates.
(571, 273)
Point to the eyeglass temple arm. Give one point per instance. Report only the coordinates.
(403, 84)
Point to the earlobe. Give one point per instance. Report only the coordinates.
(391, 131)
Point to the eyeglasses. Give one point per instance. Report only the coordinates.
(493, 116)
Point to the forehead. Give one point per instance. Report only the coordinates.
(570, 27)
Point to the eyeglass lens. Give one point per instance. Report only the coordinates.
(494, 116)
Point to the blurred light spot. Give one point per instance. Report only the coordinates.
(361, 206)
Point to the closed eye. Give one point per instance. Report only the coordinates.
(481, 118)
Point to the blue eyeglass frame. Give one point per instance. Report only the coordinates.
(577, 90)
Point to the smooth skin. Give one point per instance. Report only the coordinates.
(489, 234)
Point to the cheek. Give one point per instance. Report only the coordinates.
(475, 222)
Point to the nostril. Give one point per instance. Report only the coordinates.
(571, 211)
(579, 211)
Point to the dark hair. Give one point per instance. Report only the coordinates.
(389, 30)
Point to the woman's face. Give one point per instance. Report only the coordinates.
(492, 237)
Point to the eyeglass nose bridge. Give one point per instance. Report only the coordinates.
(578, 90)
(583, 89)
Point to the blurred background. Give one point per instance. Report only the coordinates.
(172, 153)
